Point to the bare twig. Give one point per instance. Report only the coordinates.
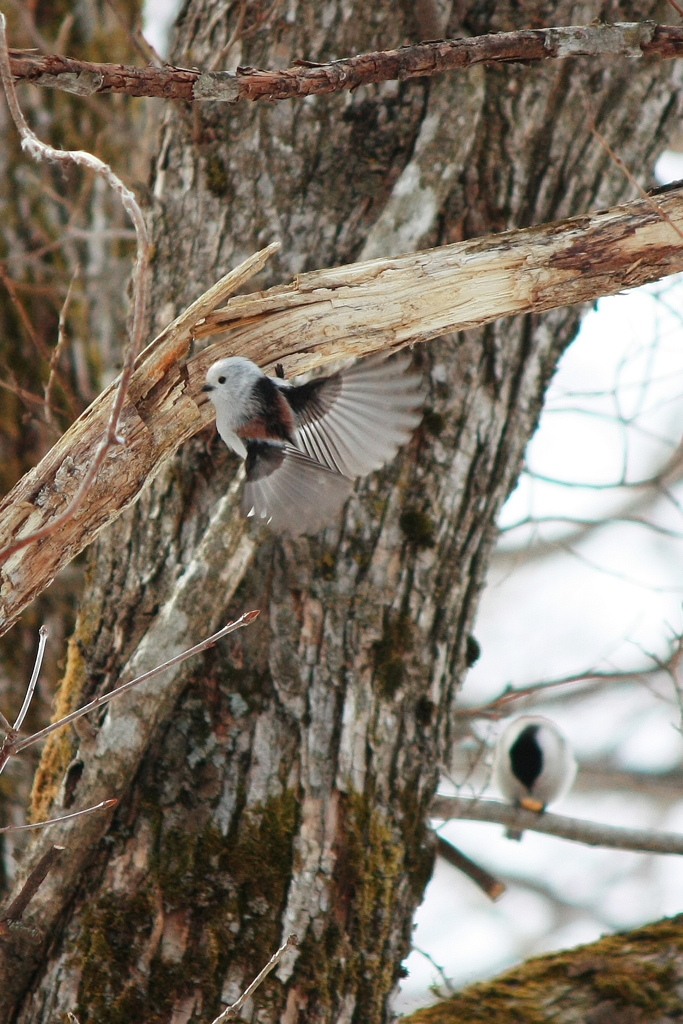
(579, 831)
(448, 985)
(30, 887)
(136, 38)
(232, 1011)
(104, 698)
(33, 680)
(59, 347)
(631, 177)
(41, 151)
(102, 806)
(306, 78)
(492, 886)
(497, 707)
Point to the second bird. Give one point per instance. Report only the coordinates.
(534, 764)
(304, 444)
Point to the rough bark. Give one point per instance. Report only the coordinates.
(282, 784)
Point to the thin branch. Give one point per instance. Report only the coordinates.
(102, 806)
(497, 707)
(104, 698)
(232, 1011)
(33, 680)
(576, 829)
(492, 886)
(58, 349)
(41, 151)
(631, 177)
(447, 983)
(588, 525)
(30, 887)
(305, 78)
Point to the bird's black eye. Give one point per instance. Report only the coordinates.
(221, 380)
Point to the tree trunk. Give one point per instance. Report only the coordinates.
(281, 783)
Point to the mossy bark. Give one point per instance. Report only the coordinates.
(629, 978)
(285, 779)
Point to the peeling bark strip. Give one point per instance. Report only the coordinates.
(322, 316)
(628, 39)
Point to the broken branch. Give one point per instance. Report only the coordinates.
(322, 316)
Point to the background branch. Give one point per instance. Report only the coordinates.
(579, 831)
(487, 882)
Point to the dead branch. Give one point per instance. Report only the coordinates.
(628, 39)
(322, 316)
(30, 887)
(498, 707)
(577, 830)
(492, 886)
(103, 805)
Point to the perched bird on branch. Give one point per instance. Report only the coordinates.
(534, 764)
(305, 443)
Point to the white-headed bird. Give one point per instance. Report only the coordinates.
(305, 443)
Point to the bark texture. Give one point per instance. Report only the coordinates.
(282, 784)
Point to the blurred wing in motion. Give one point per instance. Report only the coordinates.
(356, 420)
(290, 492)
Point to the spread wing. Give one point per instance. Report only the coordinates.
(290, 492)
(356, 420)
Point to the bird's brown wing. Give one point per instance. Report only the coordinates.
(289, 491)
(356, 420)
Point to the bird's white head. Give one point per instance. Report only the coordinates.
(230, 386)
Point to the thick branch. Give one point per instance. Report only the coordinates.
(322, 316)
(629, 39)
(579, 831)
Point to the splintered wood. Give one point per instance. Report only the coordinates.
(320, 317)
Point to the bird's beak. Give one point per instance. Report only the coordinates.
(208, 387)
